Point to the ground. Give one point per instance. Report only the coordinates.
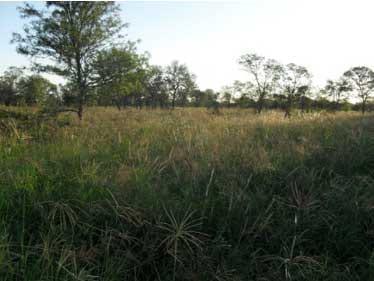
(186, 194)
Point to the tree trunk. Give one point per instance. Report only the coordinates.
(260, 104)
(173, 100)
(288, 107)
(287, 113)
(302, 104)
(139, 102)
(336, 106)
(363, 107)
(81, 86)
(80, 111)
(82, 93)
(118, 104)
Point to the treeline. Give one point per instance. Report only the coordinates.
(290, 85)
(152, 87)
(16, 88)
(84, 44)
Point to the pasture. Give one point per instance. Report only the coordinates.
(185, 194)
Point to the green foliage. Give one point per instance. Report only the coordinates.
(36, 90)
(180, 83)
(295, 80)
(69, 35)
(337, 91)
(264, 74)
(8, 86)
(156, 87)
(361, 79)
(120, 74)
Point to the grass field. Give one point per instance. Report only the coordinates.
(187, 195)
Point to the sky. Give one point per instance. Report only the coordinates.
(326, 36)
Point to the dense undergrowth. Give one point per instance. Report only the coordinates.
(187, 195)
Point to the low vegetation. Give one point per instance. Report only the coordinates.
(185, 194)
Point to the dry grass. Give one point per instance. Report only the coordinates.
(187, 195)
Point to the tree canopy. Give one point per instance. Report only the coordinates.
(69, 36)
(264, 74)
(361, 79)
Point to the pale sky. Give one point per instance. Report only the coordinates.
(326, 36)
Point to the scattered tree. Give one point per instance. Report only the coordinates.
(336, 89)
(265, 75)
(156, 87)
(303, 94)
(227, 95)
(211, 101)
(179, 81)
(70, 35)
(294, 79)
(361, 79)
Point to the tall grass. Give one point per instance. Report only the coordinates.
(187, 195)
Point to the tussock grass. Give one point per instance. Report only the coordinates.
(187, 195)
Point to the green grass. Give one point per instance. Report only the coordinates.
(187, 195)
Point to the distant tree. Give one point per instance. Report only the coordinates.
(243, 94)
(361, 80)
(321, 103)
(70, 34)
(278, 101)
(227, 95)
(198, 98)
(179, 80)
(303, 95)
(265, 75)
(240, 88)
(35, 90)
(336, 89)
(9, 94)
(190, 86)
(211, 101)
(68, 94)
(345, 105)
(231, 93)
(137, 89)
(118, 74)
(156, 87)
(294, 79)
(244, 101)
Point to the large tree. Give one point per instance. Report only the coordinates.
(264, 75)
(361, 80)
(294, 80)
(69, 35)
